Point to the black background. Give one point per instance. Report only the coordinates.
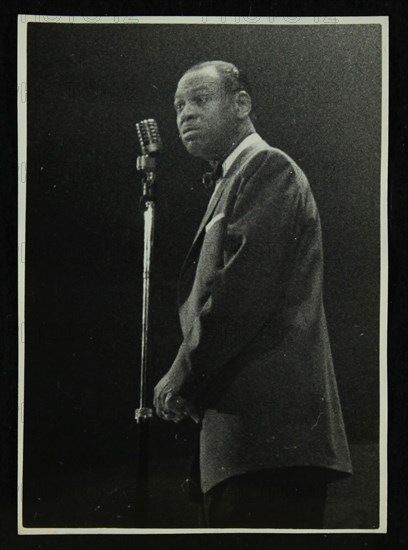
(318, 91)
(85, 402)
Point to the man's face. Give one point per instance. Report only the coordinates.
(206, 117)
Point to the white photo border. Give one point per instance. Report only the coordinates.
(22, 22)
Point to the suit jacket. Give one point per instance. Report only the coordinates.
(255, 354)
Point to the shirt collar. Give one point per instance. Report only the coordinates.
(249, 140)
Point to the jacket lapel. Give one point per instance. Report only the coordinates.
(215, 199)
(210, 208)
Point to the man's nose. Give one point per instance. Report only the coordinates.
(187, 113)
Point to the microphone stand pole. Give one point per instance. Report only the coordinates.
(144, 413)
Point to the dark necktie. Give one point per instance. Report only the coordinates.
(209, 178)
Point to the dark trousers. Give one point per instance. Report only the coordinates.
(292, 498)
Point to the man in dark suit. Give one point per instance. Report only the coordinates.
(255, 367)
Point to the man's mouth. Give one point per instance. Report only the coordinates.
(189, 133)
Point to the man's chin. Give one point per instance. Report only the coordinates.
(196, 149)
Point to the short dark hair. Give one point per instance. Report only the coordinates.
(234, 79)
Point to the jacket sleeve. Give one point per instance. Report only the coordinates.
(258, 247)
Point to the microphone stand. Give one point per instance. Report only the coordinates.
(144, 413)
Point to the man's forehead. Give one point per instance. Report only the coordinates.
(201, 79)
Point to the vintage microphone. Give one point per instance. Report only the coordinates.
(151, 145)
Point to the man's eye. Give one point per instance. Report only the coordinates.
(201, 99)
(178, 106)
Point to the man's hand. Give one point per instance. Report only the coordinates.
(170, 405)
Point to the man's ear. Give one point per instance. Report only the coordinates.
(243, 104)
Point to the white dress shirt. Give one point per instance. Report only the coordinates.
(226, 165)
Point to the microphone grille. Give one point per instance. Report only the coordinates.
(149, 137)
